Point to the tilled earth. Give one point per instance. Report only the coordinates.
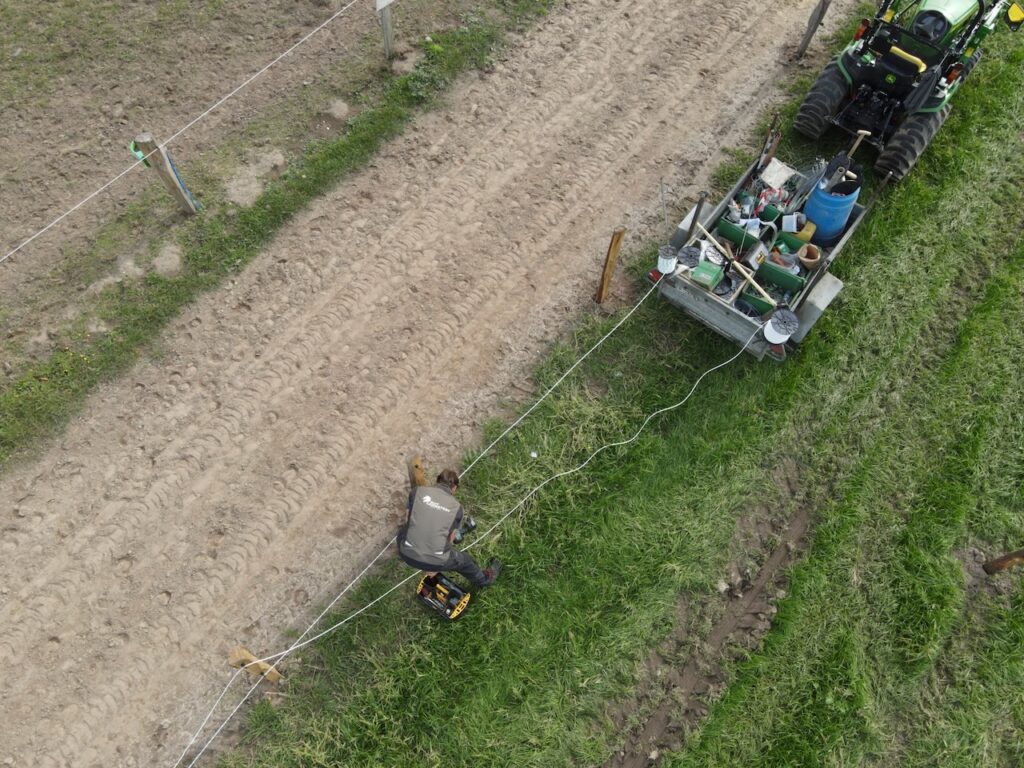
(214, 496)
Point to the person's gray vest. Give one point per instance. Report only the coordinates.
(432, 517)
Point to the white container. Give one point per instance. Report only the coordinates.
(666, 260)
(783, 324)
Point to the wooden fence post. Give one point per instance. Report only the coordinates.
(1004, 562)
(417, 472)
(145, 148)
(610, 260)
(817, 16)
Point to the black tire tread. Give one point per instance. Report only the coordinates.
(909, 142)
(821, 102)
(972, 63)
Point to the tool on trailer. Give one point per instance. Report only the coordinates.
(696, 217)
(744, 272)
(861, 135)
(771, 142)
(836, 170)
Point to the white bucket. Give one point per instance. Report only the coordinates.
(793, 222)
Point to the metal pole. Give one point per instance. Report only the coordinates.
(817, 16)
(389, 32)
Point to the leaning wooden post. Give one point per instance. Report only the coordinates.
(155, 156)
(817, 16)
(1004, 562)
(610, 259)
(417, 472)
(240, 657)
(384, 9)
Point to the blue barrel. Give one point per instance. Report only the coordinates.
(830, 211)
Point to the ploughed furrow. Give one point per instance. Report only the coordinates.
(212, 444)
(215, 495)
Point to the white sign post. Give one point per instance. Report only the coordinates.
(384, 9)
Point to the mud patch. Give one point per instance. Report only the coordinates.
(972, 560)
(686, 674)
(406, 58)
(168, 262)
(332, 121)
(245, 187)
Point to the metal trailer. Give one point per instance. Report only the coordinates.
(723, 318)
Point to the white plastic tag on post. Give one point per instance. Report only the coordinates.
(382, 4)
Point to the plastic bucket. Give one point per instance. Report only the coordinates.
(830, 212)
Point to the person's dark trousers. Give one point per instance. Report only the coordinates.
(462, 563)
(457, 561)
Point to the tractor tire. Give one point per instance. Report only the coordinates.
(909, 142)
(821, 102)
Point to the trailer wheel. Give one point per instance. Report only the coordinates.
(909, 142)
(821, 102)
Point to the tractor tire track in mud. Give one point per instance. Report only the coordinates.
(214, 495)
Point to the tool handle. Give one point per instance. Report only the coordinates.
(740, 268)
(696, 217)
(861, 135)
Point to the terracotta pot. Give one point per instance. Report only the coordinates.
(809, 256)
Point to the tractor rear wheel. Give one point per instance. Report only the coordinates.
(909, 142)
(821, 102)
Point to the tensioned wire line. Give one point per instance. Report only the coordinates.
(177, 133)
(278, 657)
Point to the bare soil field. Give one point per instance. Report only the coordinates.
(218, 493)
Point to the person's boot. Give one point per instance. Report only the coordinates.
(492, 571)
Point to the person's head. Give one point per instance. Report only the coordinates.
(449, 477)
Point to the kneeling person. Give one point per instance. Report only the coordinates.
(435, 517)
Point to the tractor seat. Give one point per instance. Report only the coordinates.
(930, 26)
(903, 69)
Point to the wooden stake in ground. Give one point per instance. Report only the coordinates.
(610, 260)
(384, 9)
(240, 657)
(157, 157)
(417, 473)
(817, 16)
(1004, 562)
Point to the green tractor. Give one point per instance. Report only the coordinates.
(896, 79)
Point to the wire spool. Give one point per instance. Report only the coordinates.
(783, 324)
(666, 259)
(689, 256)
(725, 286)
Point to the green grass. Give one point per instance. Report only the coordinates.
(902, 411)
(870, 656)
(43, 395)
